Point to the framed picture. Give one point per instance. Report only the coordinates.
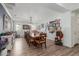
(25, 27)
(3, 21)
(6, 22)
(53, 25)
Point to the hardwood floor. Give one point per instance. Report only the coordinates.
(22, 49)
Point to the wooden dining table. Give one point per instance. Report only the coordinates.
(35, 37)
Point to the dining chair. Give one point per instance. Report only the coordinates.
(28, 38)
(40, 40)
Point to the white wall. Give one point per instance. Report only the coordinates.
(20, 31)
(10, 22)
(66, 27)
(1, 25)
(2, 12)
(75, 28)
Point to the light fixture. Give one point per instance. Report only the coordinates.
(30, 20)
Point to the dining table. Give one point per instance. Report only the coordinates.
(35, 37)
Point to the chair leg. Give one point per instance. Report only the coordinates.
(38, 45)
(45, 45)
(41, 45)
(29, 45)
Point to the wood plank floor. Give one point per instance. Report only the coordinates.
(21, 49)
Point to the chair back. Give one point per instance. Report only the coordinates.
(27, 37)
(43, 36)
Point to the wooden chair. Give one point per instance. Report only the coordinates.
(28, 38)
(41, 39)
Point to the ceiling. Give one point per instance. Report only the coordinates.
(52, 6)
(61, 7)
(21, 10)
(71, 6)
